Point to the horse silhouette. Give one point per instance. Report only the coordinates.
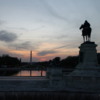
(86, 31)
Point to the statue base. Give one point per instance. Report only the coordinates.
(86, 76)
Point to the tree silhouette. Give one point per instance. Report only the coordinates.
(9, 61)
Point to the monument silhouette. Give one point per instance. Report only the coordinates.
(86, 76)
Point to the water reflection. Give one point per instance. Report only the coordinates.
(30, 73)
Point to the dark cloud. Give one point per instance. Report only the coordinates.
(43, 53)
(25, 45)
(64, 46)
(67, 46)
(7, 36)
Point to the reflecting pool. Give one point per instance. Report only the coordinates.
(30, 73)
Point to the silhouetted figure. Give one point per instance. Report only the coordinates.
(86, 31)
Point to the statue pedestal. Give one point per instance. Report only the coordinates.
(87, 55)
(86, 76)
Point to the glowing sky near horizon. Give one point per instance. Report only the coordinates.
(49, 28)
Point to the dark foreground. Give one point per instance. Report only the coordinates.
(48, 96)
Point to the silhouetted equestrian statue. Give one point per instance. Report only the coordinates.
(86, 31)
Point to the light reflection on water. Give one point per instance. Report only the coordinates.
(31, 73)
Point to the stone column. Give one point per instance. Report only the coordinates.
(88, 55)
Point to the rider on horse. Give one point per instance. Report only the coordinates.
(86, 31)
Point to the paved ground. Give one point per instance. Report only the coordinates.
(23, 83)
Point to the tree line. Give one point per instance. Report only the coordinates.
(68, 62)
(8, 61)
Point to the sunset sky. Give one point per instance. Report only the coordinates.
(49, 28)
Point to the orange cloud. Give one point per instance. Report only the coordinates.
(48, 46)
(61, 52)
